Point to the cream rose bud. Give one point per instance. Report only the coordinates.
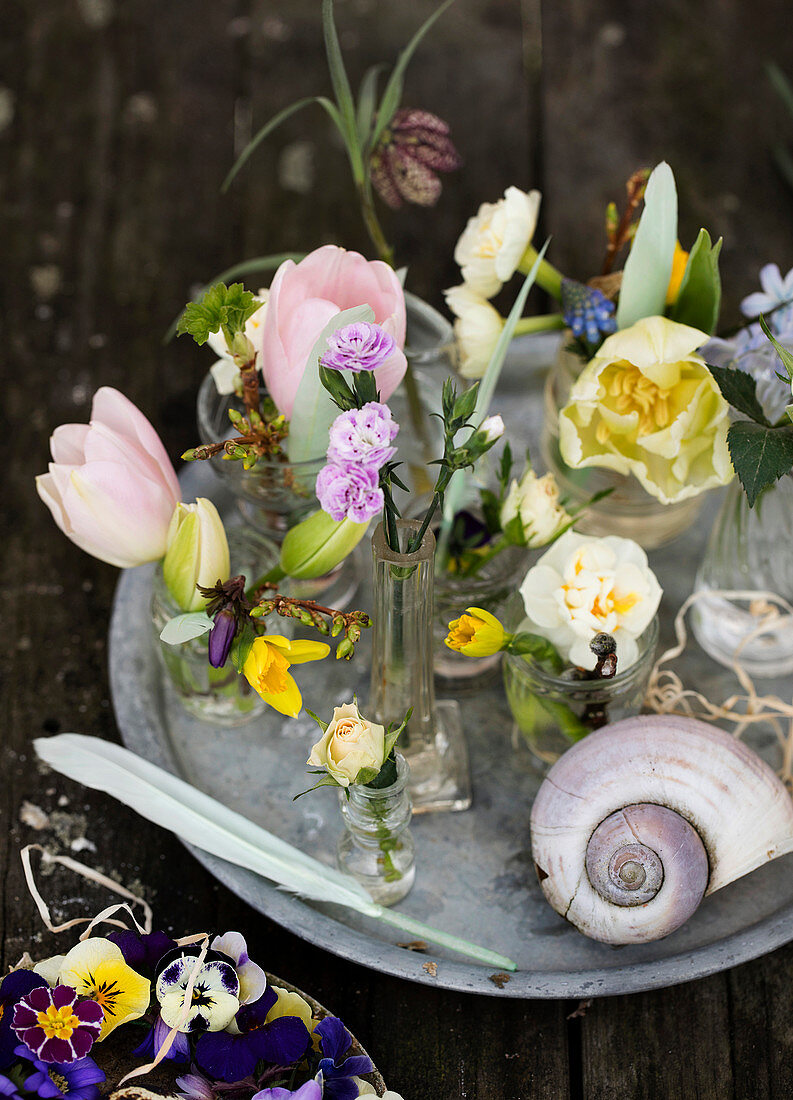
(349, 744)
(493, 242)
(536, 501)
(476, 330)
(582, 586)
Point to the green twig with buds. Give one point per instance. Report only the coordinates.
(620, 230)
(326, 620)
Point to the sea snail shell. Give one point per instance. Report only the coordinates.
(641, 819)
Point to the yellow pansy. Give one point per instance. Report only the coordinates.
(679, 261)
(647, 405)
(477, 633)
(291, 1004)
(96, 969)
(267, 669)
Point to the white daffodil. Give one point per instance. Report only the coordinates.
(493, 242)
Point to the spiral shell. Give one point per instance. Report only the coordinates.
(634, 824)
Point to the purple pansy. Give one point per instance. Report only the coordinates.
(350, 491)
(357, 347)
(142, 951)
(55, 1025)
(312, 1090)
(179, 1050)
(338, 1071)
(13, 988)
(226, 1057)
(363, 435)
(81, 1077)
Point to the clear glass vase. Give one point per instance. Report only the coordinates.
(217, 695)
(750, 550)
(376, 847)
(551, 713)
(628, 511)
(402, 673)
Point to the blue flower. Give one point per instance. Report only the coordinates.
(312, 1090)
(81, 1076)
(338, 1071)
(8, 1088)
(142, 952)
(13, 988)
(179, 1050)
(587, 312)
(777, 291)
(226, 1057)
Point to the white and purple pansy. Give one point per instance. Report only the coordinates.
(215, 999)
(55, 1026)
(253, 980)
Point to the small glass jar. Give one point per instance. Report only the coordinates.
(376, 847)
(217, 695)
(628, 511)
(551, 713)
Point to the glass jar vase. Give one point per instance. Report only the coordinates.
(628, 511)
(552, 712)
(217, 695)
(402, 672)
(749, 551)
(376, 847)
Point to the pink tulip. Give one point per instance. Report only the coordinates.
(111, 487)
(303, 299)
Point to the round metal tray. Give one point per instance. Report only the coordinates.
(474, 869)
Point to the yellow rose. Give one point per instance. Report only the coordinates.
(477, 633)
(647, 405)
(349, 744)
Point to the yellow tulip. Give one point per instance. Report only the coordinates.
(679, 261)
(477, 633)
(267, 670)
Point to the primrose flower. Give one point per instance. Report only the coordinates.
(349, 744)
(585, 586)
(78, 1079)
(224, 370)
(363, 435)
(587, 311)
(252, 979)
(413, 147)
(350, 490)
(477, 633)
(494, 240)
(215, 999)
(647, 405)
(13, 988)
(197, 554)
(359, 346)
(267, 669)
(476, 330)
(55, 1026)
(777, 291)
(96, 969)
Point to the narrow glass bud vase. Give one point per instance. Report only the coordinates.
(376, 847)
(402, 673)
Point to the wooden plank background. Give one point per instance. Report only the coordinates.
(118, 121)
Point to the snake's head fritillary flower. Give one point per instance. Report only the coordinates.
(55, 1025)
(412, 149)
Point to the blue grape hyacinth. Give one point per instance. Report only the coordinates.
(587, 312)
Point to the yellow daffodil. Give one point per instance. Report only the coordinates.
(477, 633)
(647, 405)
(96, 969)
(679, 261)
(267, 669)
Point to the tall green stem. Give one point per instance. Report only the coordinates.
(548, 277)
(372, 223)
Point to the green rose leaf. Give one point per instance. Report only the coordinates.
(760, 455)
(739, 389)
(221, 307)
(699, 299)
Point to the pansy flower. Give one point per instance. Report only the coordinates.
(228, 1057)
(142, 951)
(337, 1071)
(178, 1051)
(55, 1026)
(312, 1090)
(13, 988)
(78, 1080)
(96, 969)
(252, 979)
(216, 988)
(195, 1086)
(8, 1088)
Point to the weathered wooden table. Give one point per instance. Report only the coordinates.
(117, 124)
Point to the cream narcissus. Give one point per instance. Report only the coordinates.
(647, 405)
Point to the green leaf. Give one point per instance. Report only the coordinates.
(341, 89)
(783, 353)
(367, 96)
(760, 455)
(276, 121)
(540, 649)
(515, 533)
(505, 467)
(465, 404)
(183, 628)
(366, 775)
(699, 299)
(220, 307)
(393, 733)
(648, 269)
(386, 777)
(322, 725)
(242, 645)
(393, 89)
(739, 389)
(325, 781)
(314, 410)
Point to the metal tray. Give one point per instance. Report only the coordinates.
(474, 869)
